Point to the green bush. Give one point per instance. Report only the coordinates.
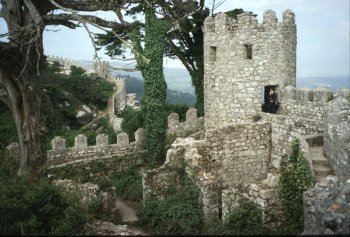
(295, 179)
(37, 209)
(245, 219)
(177, 214)
(180, 109)
(132, 120)
(8, 132)
(129, 185)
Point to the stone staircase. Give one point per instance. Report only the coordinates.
(320, 163)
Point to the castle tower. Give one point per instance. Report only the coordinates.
(242, 60)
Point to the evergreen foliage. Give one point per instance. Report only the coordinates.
(153, 102)
(132, 120)
(8, 133)
(36, 208)
(65, 94)
(296, 178)
(177, 214)
(128, 185)
(244, 219)
(134, 85)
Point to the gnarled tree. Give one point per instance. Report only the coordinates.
(21, 57)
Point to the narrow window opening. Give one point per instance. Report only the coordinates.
(212, 53)
(249, 51)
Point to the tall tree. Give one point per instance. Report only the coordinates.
(21, 57)
(154, 98)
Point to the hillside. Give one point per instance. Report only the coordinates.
(135, 85)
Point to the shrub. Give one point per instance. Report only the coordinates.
(245, 219)
(129, 185)
(296, 178)
(177, 214)
(37, 209)
(132, 120)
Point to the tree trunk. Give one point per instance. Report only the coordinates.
(20, 61)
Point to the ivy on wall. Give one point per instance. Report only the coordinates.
(154, 99)
(296, 178)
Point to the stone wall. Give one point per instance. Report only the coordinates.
(83, 162)
(304, 103)
(88, 192)
(327, 208)
(242, 152)
(192, 124)
(227, 158)
(60, 154)
(264, 195)
(233, 81)
(284, 129)
(337, 134)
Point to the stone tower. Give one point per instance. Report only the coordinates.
(243, 59)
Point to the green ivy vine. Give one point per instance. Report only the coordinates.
(296, 178)
(153, 103)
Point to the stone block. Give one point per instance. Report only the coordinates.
(58, 144)
(123, 140)
(80, 142)
(266, 194)
(140, 136)
(102, 140)
(173, 120)
(191, 116)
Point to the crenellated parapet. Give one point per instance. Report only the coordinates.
(223, 23)
(304, 102)
(192, 125)
(81, 151)
(243, 57)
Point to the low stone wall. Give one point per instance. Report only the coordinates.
(264, 195)
(192, 124)
(60, 154)
(83, 162)
(88, 192)
(337, 134)
(326, 208)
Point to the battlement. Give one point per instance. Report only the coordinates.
(62, 154)
(192, 124)
(321, 95)
(222, 22)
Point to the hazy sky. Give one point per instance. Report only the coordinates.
(322, 34)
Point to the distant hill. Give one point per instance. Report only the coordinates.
(334, 83)
(179, 79)
(176, 78)
(135, 85)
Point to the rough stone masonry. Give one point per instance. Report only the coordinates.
(240, 153)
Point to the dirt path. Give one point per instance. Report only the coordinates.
(129, 217)
(127, 212)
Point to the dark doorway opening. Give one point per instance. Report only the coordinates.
(266, 106)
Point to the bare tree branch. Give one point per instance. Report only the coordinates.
(124, 69)
(86, 18)
(95, 5)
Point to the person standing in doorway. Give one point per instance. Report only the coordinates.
(272, 102)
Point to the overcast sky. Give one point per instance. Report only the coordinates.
(322, 34)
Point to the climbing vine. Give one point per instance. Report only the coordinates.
(296, 178)
(154, 98)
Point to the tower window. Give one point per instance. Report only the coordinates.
(249, 51)
(212, 53)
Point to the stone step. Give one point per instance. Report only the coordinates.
(323, 171)
(320, 161)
